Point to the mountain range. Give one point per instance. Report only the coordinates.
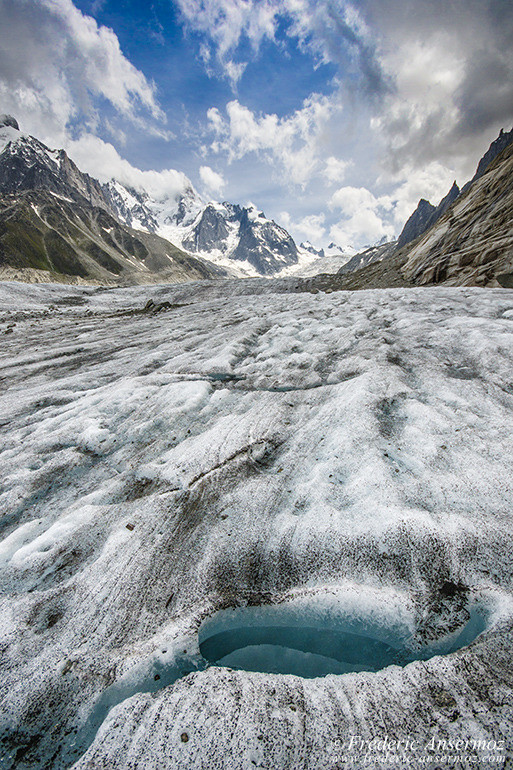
(471, 244)
(55, 217)
(239, 238)
(426, 215)
(57, 220)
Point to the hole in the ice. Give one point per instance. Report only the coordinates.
(280, 639)
(259, 639)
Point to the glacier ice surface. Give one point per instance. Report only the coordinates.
(252, 446)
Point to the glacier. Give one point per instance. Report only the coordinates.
(242, 447)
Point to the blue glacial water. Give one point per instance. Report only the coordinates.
(245, 639)
(279, 640)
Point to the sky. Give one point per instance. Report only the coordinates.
(333, 117)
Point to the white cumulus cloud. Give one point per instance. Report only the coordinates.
(335, 169)
(102, 160)
(364, 216)
(213, 181)
(57, 63)
(310, 228)
(291, 141)
(224, 22)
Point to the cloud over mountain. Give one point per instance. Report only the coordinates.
(286, 101)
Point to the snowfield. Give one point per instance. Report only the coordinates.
(343, 453)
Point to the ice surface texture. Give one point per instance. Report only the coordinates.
(251, 446)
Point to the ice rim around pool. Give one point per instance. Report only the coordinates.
(317, 634)
(312, 642)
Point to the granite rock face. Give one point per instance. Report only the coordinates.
(426, 215)
(417, 223)
(242, 235)
(504, 139)
(210, 231)
(472, 244)
(264, 244)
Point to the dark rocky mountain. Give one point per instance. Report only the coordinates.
(55, 218)
(42, 232)
(417, 223)
(263, 243)
(9, 122)
(496, 147)
(444, 204)
(470, 245)
(210, 230)
(426, 215)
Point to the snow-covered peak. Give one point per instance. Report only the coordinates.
(24, 144)
(177, 209)
(8, 132)
(130, 206)
(334, 249)
(29, 150)
(234, 236)
(28, 164)
(385, 239)
(311, 249)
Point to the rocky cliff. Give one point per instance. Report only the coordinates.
(472, 244)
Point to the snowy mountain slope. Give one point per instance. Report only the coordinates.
(308, 267)
(334, 250)
(48, 232)
(130, 206)
(328, 454)
(310, 249)
(55, 218)
(369, 256)
(27, 164)
(312, 261)
(334, 261)
(236, 237)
